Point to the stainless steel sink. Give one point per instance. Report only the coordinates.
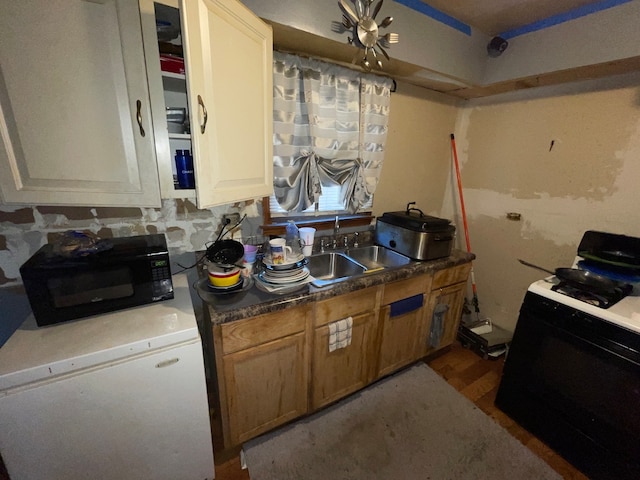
(333, 267)
(375, 257)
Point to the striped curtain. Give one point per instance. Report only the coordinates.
(329, 128)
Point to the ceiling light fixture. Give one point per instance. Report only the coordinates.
(366, 32)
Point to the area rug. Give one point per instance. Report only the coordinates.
(412, 425)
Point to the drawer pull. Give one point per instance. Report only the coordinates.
(166, 363)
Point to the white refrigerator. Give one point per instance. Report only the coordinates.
(117, 396)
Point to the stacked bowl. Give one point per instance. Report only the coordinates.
(223, 272)
(291, 274)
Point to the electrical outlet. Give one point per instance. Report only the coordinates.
(230, 219)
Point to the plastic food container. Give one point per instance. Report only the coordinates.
(224, 279)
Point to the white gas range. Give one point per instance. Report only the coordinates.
(572, 373)
(625, 313)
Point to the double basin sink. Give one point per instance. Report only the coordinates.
(332, 267)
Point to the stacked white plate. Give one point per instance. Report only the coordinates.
(284, 277)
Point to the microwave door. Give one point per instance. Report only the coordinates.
(83, 288)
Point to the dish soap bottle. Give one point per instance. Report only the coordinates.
(293, 238)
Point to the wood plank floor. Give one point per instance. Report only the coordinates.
(478, 380)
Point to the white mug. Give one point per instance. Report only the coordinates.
(279, 251)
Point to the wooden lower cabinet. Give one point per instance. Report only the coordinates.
(265, 387)
(399, 340)
(339, 373)
(264, 384)
(447, 297)
(453, 298)
(276, 367)
(400, 333)
(344, 371)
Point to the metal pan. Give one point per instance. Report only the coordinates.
(225, 252)
(581, 278)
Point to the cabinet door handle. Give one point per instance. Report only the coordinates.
(203, 125)
(139, 117)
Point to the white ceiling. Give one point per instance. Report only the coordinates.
(496, 16)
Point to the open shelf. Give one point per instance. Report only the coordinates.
(179, 136)
(175, 82)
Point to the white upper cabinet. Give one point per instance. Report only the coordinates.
(226, 90)
(75, 120)
(228, 57)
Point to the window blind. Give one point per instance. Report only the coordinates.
(329, 203)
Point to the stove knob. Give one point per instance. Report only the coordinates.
(392, 244)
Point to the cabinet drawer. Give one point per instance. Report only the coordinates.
(405, 288)
(451, 275)
(346, 305)
(263, 328)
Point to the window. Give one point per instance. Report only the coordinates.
(329, 203)
(330, 124)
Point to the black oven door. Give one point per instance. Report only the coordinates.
(573, 380)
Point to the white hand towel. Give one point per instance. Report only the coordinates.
(340, 333)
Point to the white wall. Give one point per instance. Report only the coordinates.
(589, 180)
(416, 163)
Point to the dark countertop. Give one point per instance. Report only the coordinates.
(252, 301)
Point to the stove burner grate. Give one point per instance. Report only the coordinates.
(599, 299)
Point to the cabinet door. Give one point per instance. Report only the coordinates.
(399, 340)
(75, 118)
(265, 387)
(453, 298)
(228, 57)
(341, 372)
(167, 90)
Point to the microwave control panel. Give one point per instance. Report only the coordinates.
(162, 286)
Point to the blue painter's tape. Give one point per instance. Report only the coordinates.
(441, 17)
(563, 17)
(407, 305)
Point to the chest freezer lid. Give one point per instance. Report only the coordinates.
(35, 353)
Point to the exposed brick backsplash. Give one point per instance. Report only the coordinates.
(19, 216)
(24, 229)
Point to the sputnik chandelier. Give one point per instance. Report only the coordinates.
(361, 21)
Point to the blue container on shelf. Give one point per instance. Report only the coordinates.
(184, 169)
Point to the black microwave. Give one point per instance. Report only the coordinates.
(130, 271)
